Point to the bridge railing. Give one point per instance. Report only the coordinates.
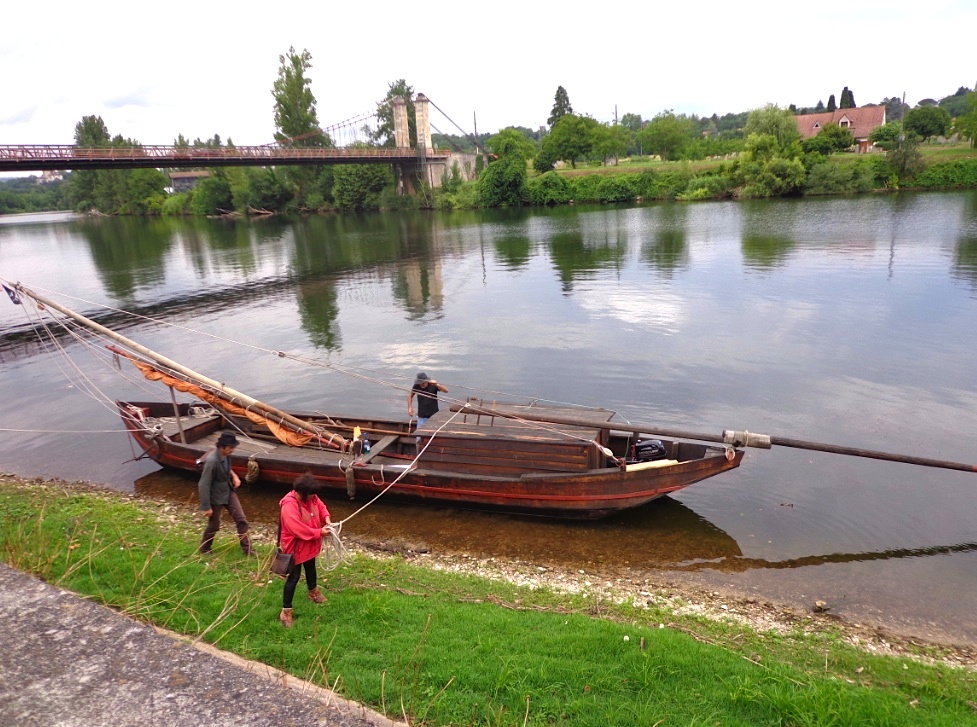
(202, 154)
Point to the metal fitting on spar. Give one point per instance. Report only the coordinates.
(746, 439)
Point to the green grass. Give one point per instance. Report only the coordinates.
(448, 649)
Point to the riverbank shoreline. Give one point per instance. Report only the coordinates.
(683, 596)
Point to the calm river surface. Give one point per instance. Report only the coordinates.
(849, 321)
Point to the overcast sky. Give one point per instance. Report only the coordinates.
(156, 70)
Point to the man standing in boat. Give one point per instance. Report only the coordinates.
(216, 488)
(427, 390)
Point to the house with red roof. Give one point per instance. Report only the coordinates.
(861, 122)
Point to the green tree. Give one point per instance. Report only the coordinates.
(831, 103)
(503, 182)
(296, 119)
(928, 121)
(847, 99)
(957, 104)
(906, 159)
(666, 134)
(212, 194)
(571, 138)
(384, 133)
(966, 123)
(633, 122)
(765, 171)
(777, 122)
(895, 108)
(89, 132)
(613, 142)
(887, 135)
(830, 138)
(511, 140)
(561, 107)
(358, 186)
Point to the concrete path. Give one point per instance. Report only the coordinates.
(68, 662)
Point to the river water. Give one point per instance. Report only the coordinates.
(849, 321)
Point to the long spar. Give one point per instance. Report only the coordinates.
(236, 396)
(731, 437)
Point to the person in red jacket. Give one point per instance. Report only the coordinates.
(305, 520)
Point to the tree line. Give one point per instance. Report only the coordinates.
(761, 153)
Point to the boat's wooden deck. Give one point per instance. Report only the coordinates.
(491, 445)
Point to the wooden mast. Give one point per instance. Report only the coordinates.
(225, 391)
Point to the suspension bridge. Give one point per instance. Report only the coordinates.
(351, 141)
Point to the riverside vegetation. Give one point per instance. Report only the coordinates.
(434, 646)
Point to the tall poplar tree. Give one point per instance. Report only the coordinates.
(297, 122)
(89, 132)
(561, 107)
(384, 134)
(847, 99)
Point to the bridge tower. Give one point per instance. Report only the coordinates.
(429, 169)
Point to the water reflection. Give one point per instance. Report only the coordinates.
(739, 564)
(128, 253)
(658, 535)
(667, 252)
(574, 256)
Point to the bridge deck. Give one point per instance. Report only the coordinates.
(15, 158)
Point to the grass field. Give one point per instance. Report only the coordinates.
(440, 648)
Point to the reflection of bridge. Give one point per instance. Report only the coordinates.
(422, 163)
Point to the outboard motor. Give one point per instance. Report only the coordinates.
(648, 450)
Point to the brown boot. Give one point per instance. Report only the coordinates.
(286, 617)
(316, 596)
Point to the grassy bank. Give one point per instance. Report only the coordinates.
(440, 648)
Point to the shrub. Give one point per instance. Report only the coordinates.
(829, 178)
(616, 188)
(549, 188)
(959, 173)
(710, 187)
(177, 205)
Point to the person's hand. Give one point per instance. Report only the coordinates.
(410, 413)
(207, 513)
(325, 529)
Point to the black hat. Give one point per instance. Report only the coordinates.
(227, 439)
(421, 378)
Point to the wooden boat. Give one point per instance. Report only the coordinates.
(474, 457)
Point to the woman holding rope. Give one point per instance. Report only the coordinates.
(304, 521)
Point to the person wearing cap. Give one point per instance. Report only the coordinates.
(216, 488)
(427, 390)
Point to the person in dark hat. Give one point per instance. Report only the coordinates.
(216, 488)
(426, 390)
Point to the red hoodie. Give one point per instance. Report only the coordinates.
(302, 526)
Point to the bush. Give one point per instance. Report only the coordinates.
(948, 175)
(549, 188)
(617, 188)
(664, 185)
(831, 178)
(709, 187)
(177, 205)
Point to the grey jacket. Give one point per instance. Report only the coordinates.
(214, 486)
